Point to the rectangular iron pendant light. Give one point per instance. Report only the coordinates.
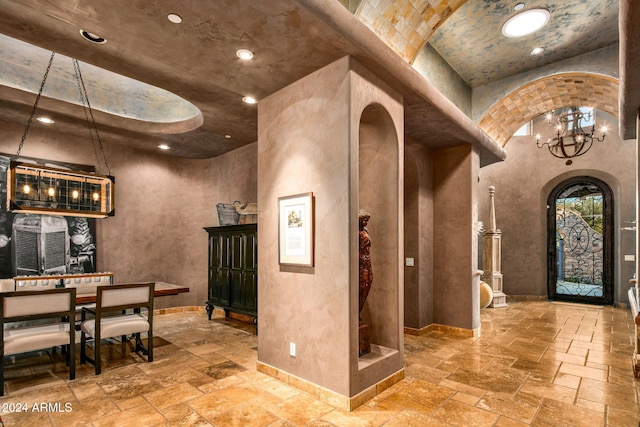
(45, 190)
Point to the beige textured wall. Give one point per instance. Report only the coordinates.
(523, 183)
(303, 146)
(306, 143)
(418, 235)
(162, 204)
(455, 282)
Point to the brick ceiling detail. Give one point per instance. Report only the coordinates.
(406, 25)
(507, 115)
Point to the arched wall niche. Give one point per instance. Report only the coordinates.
(378, 194)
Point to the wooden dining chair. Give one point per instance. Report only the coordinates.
(117, 313)
(35, 320)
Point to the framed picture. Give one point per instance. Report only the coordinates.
(295, 230)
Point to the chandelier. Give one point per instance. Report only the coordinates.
(571, 139)
(35, 189)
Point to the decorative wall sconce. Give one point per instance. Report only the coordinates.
(40, 189)
(571, 139)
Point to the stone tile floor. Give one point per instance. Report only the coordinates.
(536, 363)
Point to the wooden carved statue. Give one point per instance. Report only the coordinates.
(365, 279)
(366, 274)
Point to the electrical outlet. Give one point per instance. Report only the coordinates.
(292, 349)
(409, 262)
(629, 257)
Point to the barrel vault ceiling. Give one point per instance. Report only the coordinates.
(197, 82)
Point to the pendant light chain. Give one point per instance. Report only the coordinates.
(91, 121)
(33, 110)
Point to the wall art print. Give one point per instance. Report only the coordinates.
(32, 245)
(296, 230)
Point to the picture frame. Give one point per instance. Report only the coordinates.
(296, 221)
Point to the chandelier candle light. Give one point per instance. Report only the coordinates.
(41, 190)
(571, 139)
(36, 189)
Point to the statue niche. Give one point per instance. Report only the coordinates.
(365, 280)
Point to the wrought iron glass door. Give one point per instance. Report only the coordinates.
(579, 241)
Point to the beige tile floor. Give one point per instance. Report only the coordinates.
(536, 363)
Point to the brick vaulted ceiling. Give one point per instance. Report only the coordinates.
(406, 25)
(466, 33)
(547, 94)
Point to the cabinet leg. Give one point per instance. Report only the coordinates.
(226, 312)
(209, 309)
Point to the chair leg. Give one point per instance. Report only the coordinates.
(96, 352)
(96, 356)
(71, 356)
(123, 345)
(83, 350)
(138, 346)
(150, 346)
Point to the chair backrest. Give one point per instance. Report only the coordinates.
(28, 305)
(7, 285)
(36, 283)
(120, 297)
(86, 282)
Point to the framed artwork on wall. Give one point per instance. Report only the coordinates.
(35, 244)
(296, 230)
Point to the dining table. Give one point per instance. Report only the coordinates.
(86, 294)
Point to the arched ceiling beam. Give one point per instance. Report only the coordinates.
(509, 113)
(406, 25)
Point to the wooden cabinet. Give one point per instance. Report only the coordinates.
(233, 269)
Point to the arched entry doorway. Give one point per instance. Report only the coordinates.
(580, 241)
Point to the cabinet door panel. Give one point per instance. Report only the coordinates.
(233, 264)
(250, 290)
(250, 256)
(237, 249)
(237, 246)
(250, 273)
(224, 269)
(214, 268)
(219, 284)
(237, 291)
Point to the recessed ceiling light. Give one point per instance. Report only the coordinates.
(244, 54)
(537, 50)
(163, 147)
(175, 18)
(45, 120)
(519, 6)
(227, 136)
(93, 38)
(249, 100)
(525, 23)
